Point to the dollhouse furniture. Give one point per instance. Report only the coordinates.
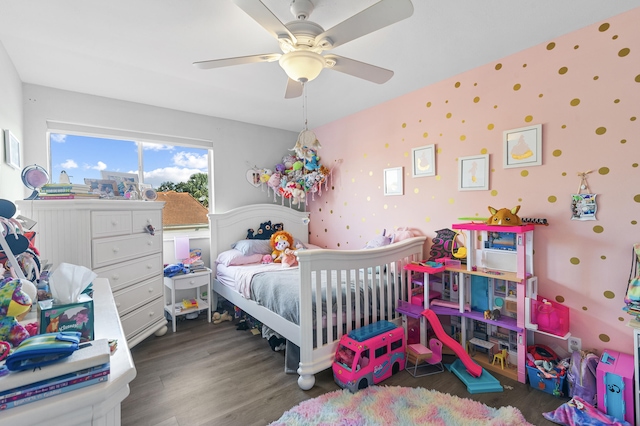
(502, 357)
(111, 238)
(97, 404)
(614, 380)
(416, 353)
(475, 342)
(376, 275)
(196, 281)
(435, 359)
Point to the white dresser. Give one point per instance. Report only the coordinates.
(109, 237)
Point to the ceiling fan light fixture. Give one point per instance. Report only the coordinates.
(302, 65)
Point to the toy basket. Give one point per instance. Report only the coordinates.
(554, 386)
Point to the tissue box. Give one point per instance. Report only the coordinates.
(68, 317)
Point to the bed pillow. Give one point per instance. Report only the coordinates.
(249, 247)
(235, 257)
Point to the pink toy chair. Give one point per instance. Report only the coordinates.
(436, 358)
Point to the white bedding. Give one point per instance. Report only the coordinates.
(239, 277)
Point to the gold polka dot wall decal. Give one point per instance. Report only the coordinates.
(623, 141)
(427, 219)
(552, 199)
(425, 135)
(609, 294)
(603, 257)
(353, 180)
(615, 101)
(636, 198)
(448, 115)
(524, 65)
(595, 77)
(637, 79)
(528, 118)
(604, 27)
(557, 153)
(404, 125)
(632, 119)
(603, 170)
(475, 84)
(498, 66)
(428, 104)
(483, 151)
(457, 84)
(601, 130)
(559, 299)
(634, 222)
(406, 154)
(495, 107)
(624, 52)
(463, 137)
(564, 126)
(451, 201)
(524, 173)
(516, 87)
(540, 95)
(494, 192)
(385, 206)
(604, 338)
(584, 308)
(490, 126)
(564, 173)
(576, 46)
(551, 45)
(371, 173)
(369, 198)
(386, 145)
(574, 102)
(621, 319)
(615, 37)
(574, 261)
(563, 70)
(634, 165)
(598, 229)
(416, 190)
(476, 99)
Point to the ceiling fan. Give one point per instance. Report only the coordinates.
(302, 41)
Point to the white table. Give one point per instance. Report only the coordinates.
(483, 344)
(97, 404)
(194, 281)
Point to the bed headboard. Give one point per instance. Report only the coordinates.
(227, 228)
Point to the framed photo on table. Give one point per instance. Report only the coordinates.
(123, 180)
(393, 182)
(106, 188)
(473, 173)
(423, 161)
(12, 149)
(522, 147)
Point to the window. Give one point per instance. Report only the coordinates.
(396, 345)
(381, 351)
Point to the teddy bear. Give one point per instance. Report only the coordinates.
(280, 241)
(289, 258)
(14, 304)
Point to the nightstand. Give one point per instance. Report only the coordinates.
(197, 281)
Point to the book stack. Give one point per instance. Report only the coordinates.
(87, 366)
(66, 191)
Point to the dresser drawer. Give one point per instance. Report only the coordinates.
(141, 219)
(137, 295)
(110, 223)
(124, 274)
(136, 321)
(108, 251)
(189, 281)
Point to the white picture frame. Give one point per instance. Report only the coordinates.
(393, 181)
(473, 173)
(522, 147)
(423, 161)
(122, 179)
(12, 149)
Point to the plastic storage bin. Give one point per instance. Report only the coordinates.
(551, 317)
(554, 386)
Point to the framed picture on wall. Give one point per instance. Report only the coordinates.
(473, 173)
(12, 149)
(522, 147)
(393, 182)
(423, 161)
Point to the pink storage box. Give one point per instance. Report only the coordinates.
(551, 317)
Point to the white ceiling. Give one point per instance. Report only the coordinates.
(142, 50)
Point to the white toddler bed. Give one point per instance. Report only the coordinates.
(321, 274)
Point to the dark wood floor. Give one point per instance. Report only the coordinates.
(206, 374)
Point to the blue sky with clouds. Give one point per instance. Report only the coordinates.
(86, 157)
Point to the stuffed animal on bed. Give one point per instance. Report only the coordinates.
(14, 303)
(280, 241)
(289, 258)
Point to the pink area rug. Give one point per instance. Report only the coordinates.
(394, 405)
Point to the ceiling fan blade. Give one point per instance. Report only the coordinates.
(219, 63)
(373, 18)
(294, 89)
(359, 69)
(263, 16)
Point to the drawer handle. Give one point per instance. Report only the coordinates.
(192, 282)
(115, 249)
(114, 222)
(151, 313)
(150, 289)
(149, 266)
(118, 305)
(115, 277)
(149, 243)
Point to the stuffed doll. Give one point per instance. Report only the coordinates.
(14, 304)
(280, 241)
(289, 258)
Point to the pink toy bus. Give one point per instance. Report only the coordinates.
(368, 355)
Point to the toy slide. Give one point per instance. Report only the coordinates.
(472, 368)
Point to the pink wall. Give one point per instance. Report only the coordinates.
(584, 88)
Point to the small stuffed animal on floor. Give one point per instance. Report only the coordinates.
(218, 318)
